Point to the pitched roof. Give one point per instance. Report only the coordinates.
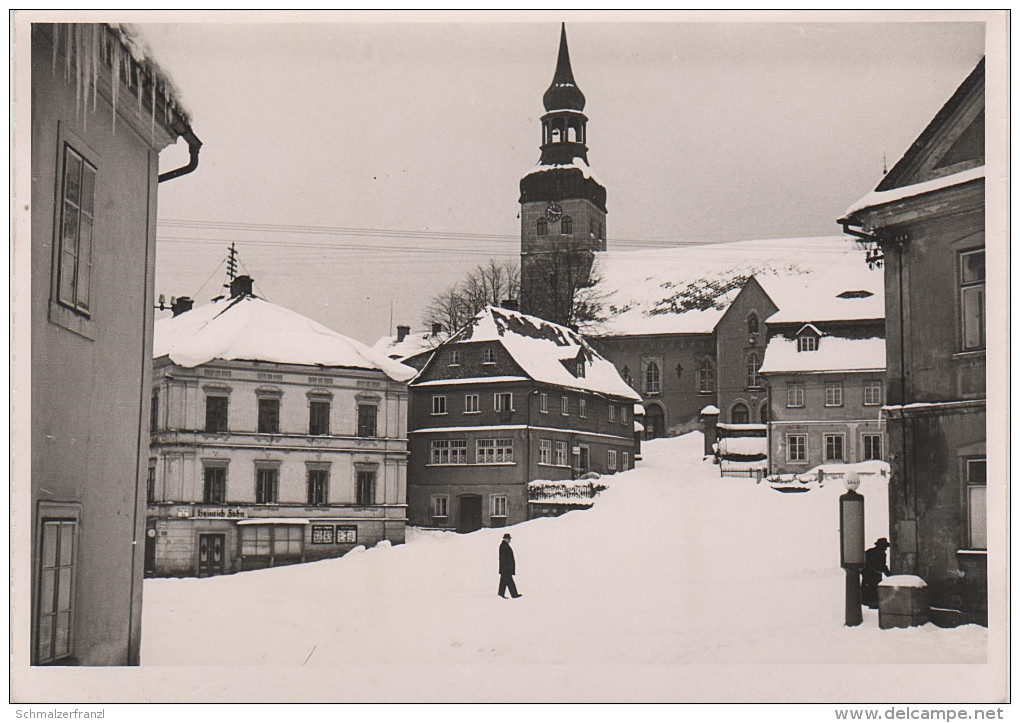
(687, 289)
(248, 328)
(832, 355)
(414, 343)
(852, 293)
(545, 351)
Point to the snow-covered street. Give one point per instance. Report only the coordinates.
(673, 565)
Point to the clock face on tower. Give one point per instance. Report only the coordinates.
(553, 211)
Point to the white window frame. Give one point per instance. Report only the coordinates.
(753, 365)
(565, 406)
(612, 412)
(807, 342)
(543, 403)
(582, 408)
(835, 399)
(653, 377)
(977, 504)
(864, 445)
(791, 446)
(561, 458)
(971, 288)
(448, 451)
(579, 370)
(706, 378)
(503, 401)
(454, 358)
(488, 355)
(795, 395)
(545, 451)
(471, 405)
(872, 394)
(438, 405)
(440, 506)
(494, 451)
(842, 446)
(498, 506)
(611, 460)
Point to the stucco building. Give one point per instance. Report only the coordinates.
(95, 144)
(508, 399)
(925, 222)
(274, 440)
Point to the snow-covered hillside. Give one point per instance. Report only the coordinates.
(673, 565)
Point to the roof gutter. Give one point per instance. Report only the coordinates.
(194, 146)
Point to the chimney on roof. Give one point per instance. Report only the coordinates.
(241, 285)
(181, 304)
(437, 328)
(402, 332)
(511, 304)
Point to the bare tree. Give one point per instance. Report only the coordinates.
(492, 282)
(563, 285)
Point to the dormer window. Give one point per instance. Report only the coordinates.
(579, 370)
(807, 338)
(489, 356)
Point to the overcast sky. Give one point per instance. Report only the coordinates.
(359, 166)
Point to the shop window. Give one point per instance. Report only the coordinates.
(346, 534)
(287, 540)
(256, 540)
(972, 300)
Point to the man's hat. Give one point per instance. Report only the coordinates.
(881, 542)
(506, 536)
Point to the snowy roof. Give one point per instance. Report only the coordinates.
(249, 328)
(545, 350)
(578, 163)
(844, 293)
(687, 289)
(833, 354)
(880, 198)
(413, 343)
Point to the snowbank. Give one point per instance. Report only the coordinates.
(670, 567)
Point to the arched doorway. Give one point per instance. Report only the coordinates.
(740, 414)
(655, 421)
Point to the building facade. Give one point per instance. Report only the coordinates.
(507, 400)
(926, 223)
(274, 441)
(740, 349)
(563, 206)
(95, 170)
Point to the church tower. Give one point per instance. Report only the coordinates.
(563, 207)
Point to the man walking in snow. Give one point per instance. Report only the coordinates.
(507, 568)
(874, 567)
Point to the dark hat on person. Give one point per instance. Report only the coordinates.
(881, 542)
(506, 536)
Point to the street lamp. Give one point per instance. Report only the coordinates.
(851, 549)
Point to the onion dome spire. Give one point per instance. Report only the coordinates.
(563, 93)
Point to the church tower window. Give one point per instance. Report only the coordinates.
(567, 226)
(542, 227)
